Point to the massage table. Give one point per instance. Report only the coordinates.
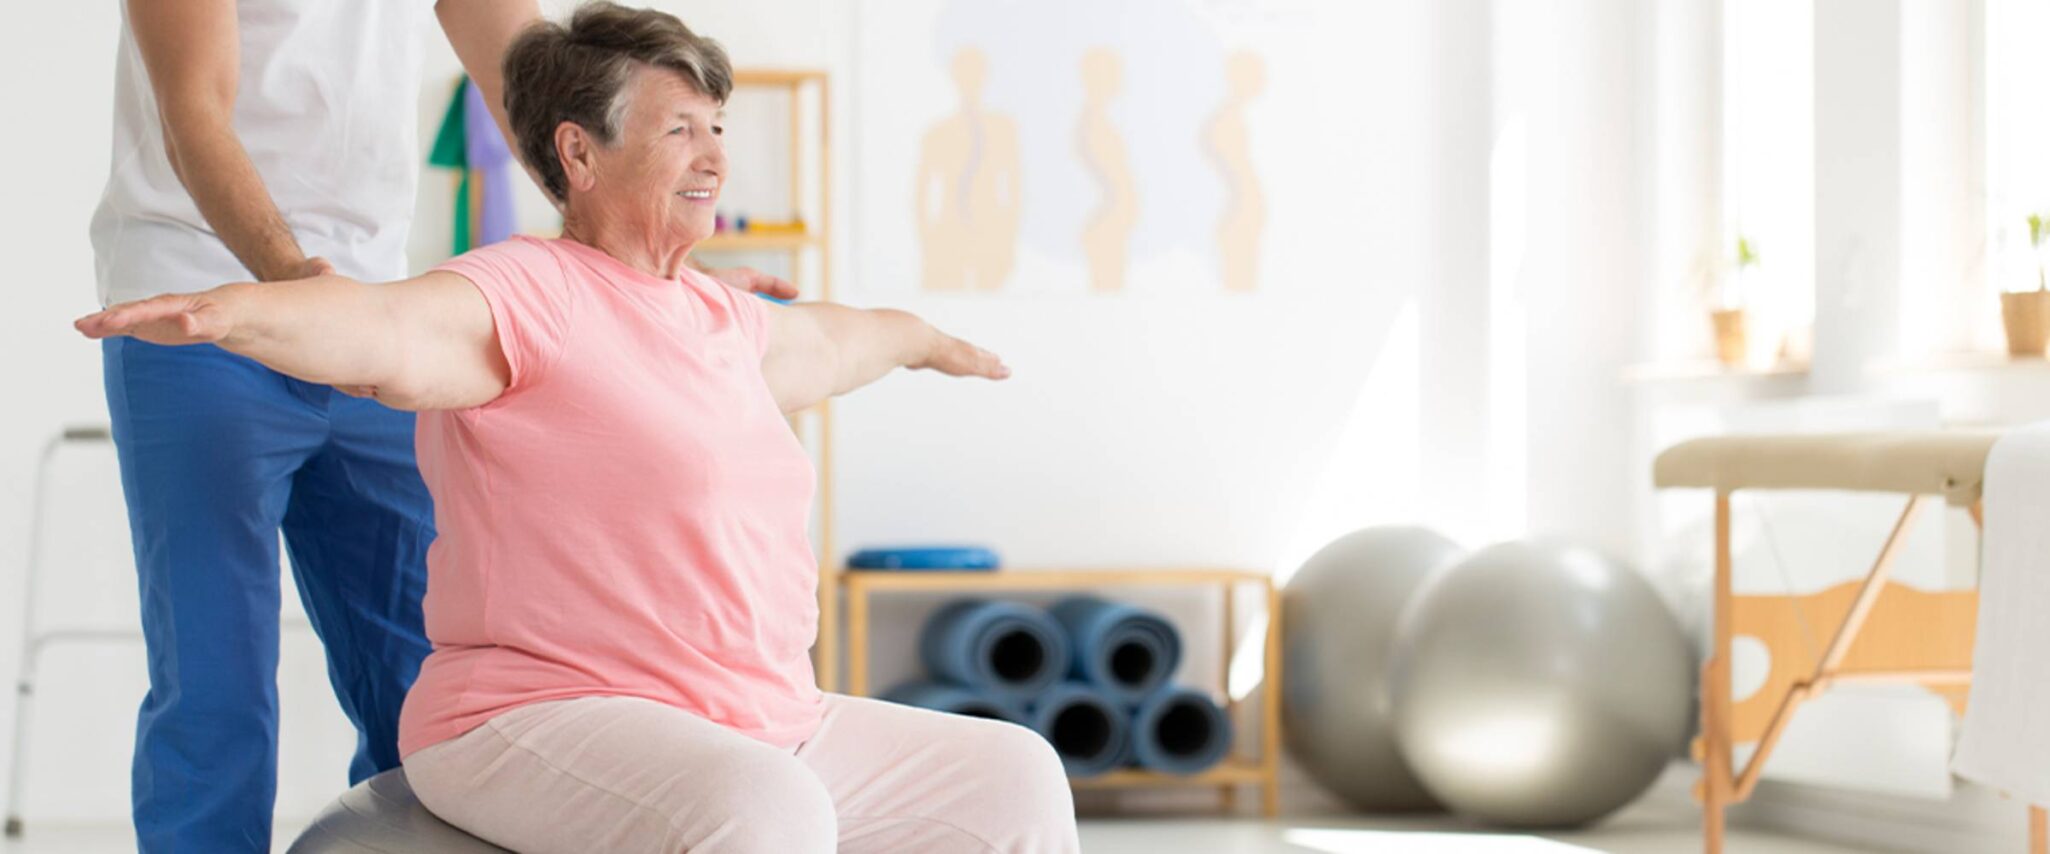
(1879, 631)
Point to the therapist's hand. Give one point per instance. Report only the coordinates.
(169, 319)
(754, 281)
(310, 268)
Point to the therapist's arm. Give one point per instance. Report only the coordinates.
(419, 344)
(480, 31)
(821, 350)
(191, 49)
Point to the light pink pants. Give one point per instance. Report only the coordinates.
(621, 774)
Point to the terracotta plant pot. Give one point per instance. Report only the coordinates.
(1731, 344)
(2026, 315)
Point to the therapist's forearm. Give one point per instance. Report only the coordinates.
(215, 169)
(480, 31)
(329, 329)
(192, 51)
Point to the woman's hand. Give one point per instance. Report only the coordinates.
(173, 319)
(957, 358)
(819, 350)
(754, 281)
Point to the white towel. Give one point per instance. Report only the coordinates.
(2005, 740)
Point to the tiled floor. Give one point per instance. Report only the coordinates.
(1646, 829)
(1631, 833)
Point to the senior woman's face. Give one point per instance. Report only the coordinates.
(665, 171)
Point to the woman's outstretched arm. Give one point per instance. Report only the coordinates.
(422, 343)
(819, 350)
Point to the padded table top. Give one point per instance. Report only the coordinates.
(1950, 463)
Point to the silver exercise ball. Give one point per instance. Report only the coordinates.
(1338, 627)
(379, 816)
(1540, 686)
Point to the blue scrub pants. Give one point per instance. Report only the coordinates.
(218, 454)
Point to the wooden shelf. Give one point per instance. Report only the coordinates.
(810, 171)
(1041, 579)
(1981, 362)
(776, 76)
(1264, 771)
(728, 241)
(1231, 772)
(1708, 369)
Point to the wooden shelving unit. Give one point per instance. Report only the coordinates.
(728, 241)
(818, 180)
(1238, 769)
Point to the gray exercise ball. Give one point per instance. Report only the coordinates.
(381, 816)
(1538, 685)
(1338, 627)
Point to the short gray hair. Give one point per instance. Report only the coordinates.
(578, 72)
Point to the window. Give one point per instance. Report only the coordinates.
(1769, 163)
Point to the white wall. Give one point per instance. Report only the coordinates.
(1175, 424)
(1452, 289)
(1857, 189)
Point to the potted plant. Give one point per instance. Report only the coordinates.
(1732, 339)
(2026, 314)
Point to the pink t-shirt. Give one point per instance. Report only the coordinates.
(630, 516)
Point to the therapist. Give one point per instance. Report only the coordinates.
(273, 139)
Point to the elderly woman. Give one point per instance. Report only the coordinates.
(622, 594)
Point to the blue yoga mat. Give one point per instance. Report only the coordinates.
(1127, 651)
(1179, 731)
(1012, 651)
(925, 558)
(1090, 730)
(954, 699)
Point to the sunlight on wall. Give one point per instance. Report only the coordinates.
(1371, 475)
(1507, 443)
(1372, 472)
(1248, 662)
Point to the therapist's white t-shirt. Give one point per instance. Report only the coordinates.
(328, 110)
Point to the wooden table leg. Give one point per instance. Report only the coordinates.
(1716, 780)
(2039, 832)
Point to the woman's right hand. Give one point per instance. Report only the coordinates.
(172, 319)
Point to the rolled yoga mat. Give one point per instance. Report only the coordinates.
(1179, 731)
(1011, 651)
(1127, 651)
(954, 699)
(1089, 729)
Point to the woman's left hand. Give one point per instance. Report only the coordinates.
(957, 358)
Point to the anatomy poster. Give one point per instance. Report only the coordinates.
(1062, 146)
